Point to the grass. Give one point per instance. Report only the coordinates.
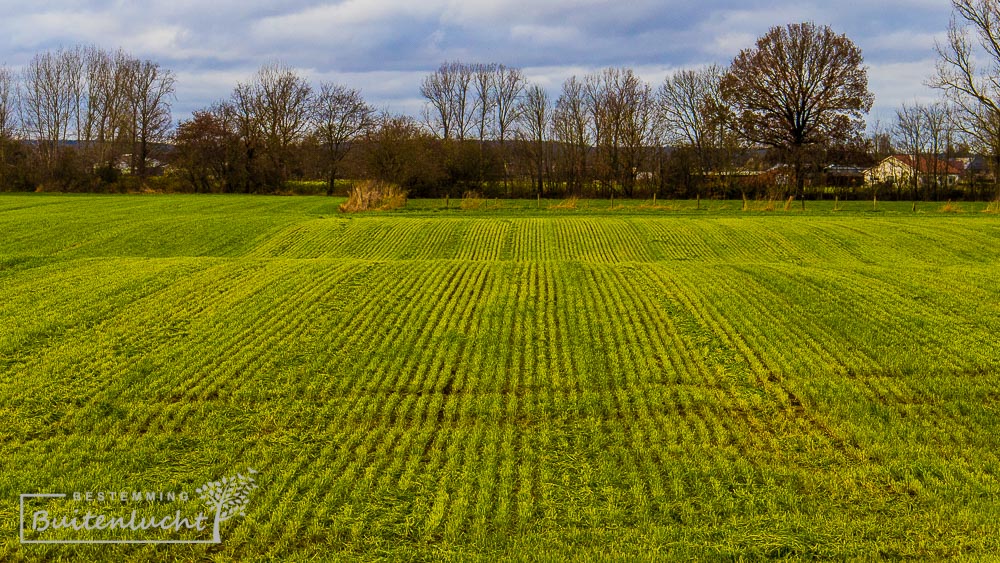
(477, 384)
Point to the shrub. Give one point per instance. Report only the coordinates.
(373, 195)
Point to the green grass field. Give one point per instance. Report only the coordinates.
(517, 382)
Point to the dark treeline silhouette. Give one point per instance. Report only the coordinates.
(784, 119)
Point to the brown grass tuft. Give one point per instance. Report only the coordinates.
(568, 203)
(473, 200)
(993, 207)
(372, 195)
(758, 205)
(950, 207)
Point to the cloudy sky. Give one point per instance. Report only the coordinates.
(385, 47)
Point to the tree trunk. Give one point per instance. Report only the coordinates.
(332, 181)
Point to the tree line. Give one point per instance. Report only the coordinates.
(69, 115)
(770, 123)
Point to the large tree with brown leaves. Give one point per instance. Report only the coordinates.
(801, 86)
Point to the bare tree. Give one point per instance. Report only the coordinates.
(8, 105)
(486, 99)
(622, 120)
(485, 104)
(508, 87)
(152, 88)
(8, 119)
(450, 108)
(974, 37)
(911, 136)
(273, 112)
(107, 128)
(639, 127)
(47, 104)
(802, 86)
(535, 115)
(879, 140)
(438, 114)
(570, 129)
(689, 103)
(342, 117)
(938, 121)
(73, 63)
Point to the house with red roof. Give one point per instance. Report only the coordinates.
(899, 169)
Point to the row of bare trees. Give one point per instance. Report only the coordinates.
(796, 99)
(485, 127)
(606, 132)
(273, 128)
(71, 112)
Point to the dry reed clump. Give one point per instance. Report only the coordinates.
(568, 203)
(758, 205)
(950, 207)
(658, 207)
(993, 207)
(374, 195)
(473, 200)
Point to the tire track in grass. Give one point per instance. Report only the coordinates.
(491, 400)
(61, 301)
(682, 354)
(642, 433)
(97, 367)
(344, 444)
(524, 397)
(779, 367)
(709, 317)
(697, 425)
(284, 295)
(218, 382)
(616, 422)
(554, 399)
(677, 239)
(436, 404)
(896, 391)
(375, 316)
(506, 515)
(375, 399)
(461, 517)
(452, 397)
(484, 241)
